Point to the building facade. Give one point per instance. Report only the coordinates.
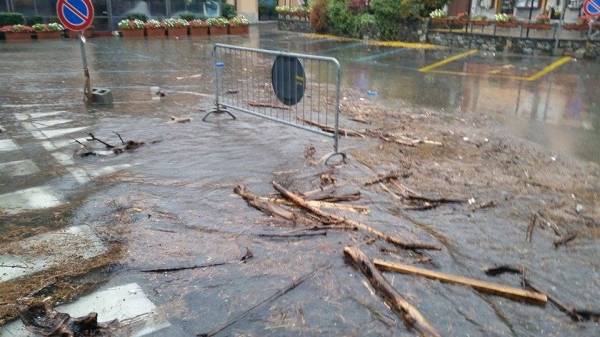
(109, 12)
(523, 9)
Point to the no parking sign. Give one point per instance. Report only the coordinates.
(76, 15)
(592, 8)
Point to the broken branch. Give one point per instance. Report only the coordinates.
(334, 219)
(565, 239)
(329, 129)
(247, 256)
(411, 315)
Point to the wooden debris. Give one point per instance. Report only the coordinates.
(269, 299)
(267, 105)
(293, 234)
(180, 119)
(501, 269)
(329, 129)
(322, 204)
(333, 219)
(328, 194)
(576, 315)
(565, 239)
(41, 319)
(411, 315)
(400, 139)
(247, 256)
(486, 287)
(264, 206)
(530, 227)
(93, 138)
(382, 178)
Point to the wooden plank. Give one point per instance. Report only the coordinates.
(483, 286)
(409, 313)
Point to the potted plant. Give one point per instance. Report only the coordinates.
(155, 28)
(198, 27)
(238, 25)
(506, 21)
(176, 27)
(439, 16)
(131, 28)
(283, 12)
(48, 31)
(542, 22)
(17, 32)
(217, 26)
(480, 20)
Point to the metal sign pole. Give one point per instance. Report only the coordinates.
(87, 88)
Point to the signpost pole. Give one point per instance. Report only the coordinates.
(87, 88)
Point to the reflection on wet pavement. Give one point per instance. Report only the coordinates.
(171, 202)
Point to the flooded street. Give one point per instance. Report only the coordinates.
(156, 237)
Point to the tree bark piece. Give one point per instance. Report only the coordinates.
(530, 227)
(329, 129)
(411, 315)
(322, 204)
(337, 220)
(264, 206)
(565, 239)
(483, 286)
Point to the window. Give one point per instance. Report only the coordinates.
(25, 7)
(46, 7)
(150, 8)
(206, 8)
(575, 4)
(528, 4)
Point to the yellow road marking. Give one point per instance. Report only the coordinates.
(555, 65)
(459, 73)
(395, 44)
(447, 60)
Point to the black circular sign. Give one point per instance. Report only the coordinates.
(288, 79)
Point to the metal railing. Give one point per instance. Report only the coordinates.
(297, 90)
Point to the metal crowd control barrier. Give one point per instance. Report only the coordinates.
(297, 90)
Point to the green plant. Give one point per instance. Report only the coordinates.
(10, 19)
(542, 19)
(318, 15)
(153, 24)
(51, 27)
(188, 16)
(174, 23)
(391, 14)
(239, 20)
(367, 25)
(341, 19)
(438, 14)
(504, 18)
(53, 19)
(479, 18)
(16, 29)
(228, 11)
(131, 24)
(217, 22)
(32, 20)
(138, 16)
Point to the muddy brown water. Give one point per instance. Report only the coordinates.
(176, 205)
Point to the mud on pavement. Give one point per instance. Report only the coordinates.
(216, 263)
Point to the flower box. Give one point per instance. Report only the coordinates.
(199, 30)
(132, 33)
(537, 26)
(582, 27)
(49, 35)
(440, 21)
(177, 31)
(214, 30)
(507, 24)
(239, 30)
(17, 36)
(156, 32)
(480, 23)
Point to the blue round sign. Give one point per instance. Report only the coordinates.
(75, 15)
(592, 8)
